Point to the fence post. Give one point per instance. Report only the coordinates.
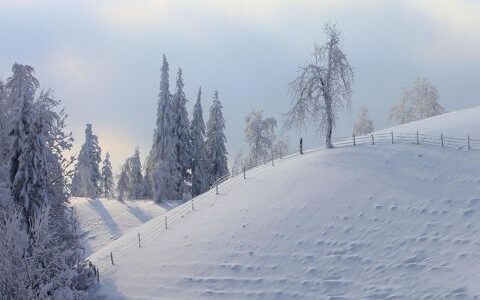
(273, 162)
(244, 173)
(166, 223)
(392, 136)
(216, 188)
(468, 142)
(193, 207)
(139, 241)
(373, 140)
(98, 275)
(418, 140)
(354, 141)
(441, 138)
(301, 145)
(111, 258)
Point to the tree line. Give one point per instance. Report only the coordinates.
(186, 157)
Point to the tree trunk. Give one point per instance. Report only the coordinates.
(329, 112)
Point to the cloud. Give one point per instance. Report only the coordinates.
(454, 25)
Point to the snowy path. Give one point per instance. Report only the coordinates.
(374, 222)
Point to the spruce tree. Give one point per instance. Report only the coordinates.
(216, 149)
(198, 149)
(163, 170)
(34, 222)
(87, 177)
(107, 177)
(181, 132)
(28, 170)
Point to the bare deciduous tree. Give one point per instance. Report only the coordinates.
(323, 87)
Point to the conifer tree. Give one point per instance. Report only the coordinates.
(215, 144)
(198, 149)
(34, 222)
(181, 133)
(107, 177)
(87, 177)
(163, 171)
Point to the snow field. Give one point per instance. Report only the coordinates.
(371, 222)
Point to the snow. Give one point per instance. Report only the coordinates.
(104, 220)
(457, 124)
(367, 222)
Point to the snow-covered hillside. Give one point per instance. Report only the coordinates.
(366, 222)
(457, 124)
(104, 220)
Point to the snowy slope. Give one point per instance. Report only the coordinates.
(458, 124)
(104, 220)
(370, 222)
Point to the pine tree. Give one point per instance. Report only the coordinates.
(87, 177)
(4, 126)
(181, 133)
(107, 177)
(163, 171)
(136, 176)
(198, 148)
(215, 144)
(34, 224)
(28, 170)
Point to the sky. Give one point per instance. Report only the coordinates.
(103, 58)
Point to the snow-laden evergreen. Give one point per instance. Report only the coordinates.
(181, 133)
(28, 169)
(107, 177)
(4, 126)
(40, 254)
(87, 176)
(131, 180)
(215, 141)
(364, 124)
(163, 171)
(260, 135)
(199, 161)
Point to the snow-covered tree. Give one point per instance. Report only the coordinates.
(130, 181)
(35, 225)
(215, 141)
(323, 87)
(199, 161)
(87, 176)
(418, 102)
(280, 146)
(364, 125)
(181, 133)
(260, 134)
(163, 171)
(28, 169)
(238, 162)
(106, 182)
(4, 126)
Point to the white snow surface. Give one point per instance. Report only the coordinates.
(456, 124)
(366, 222)
(104, 220)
